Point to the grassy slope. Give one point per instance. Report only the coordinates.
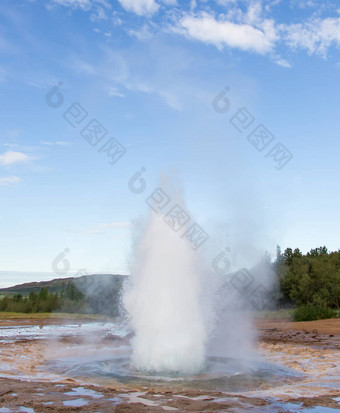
(276, 314)
(55, 286)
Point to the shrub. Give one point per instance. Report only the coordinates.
(310, 312)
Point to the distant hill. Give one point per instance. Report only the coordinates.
(84, 282)
(102, 292)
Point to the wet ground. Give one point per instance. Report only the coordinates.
(47, 366)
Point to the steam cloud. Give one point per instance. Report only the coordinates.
(182, 313)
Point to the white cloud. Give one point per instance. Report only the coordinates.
(82, 66)
(142, 34)
(117, 21)
(163, 71)
(226, 2)
(316, 35)
(253, 14)
(169, 2)
(244, 25)
(12, 157)
(7, 180)
(114, 92)
(82, 4)
(140, 7)
(282, 62)
(170, 94)
(221, 33)
(99, 14)
(304, 4)
(57, 143)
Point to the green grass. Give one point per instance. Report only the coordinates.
(44, 316)
(282, 314)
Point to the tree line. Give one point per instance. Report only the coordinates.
(69, 300)
(309, 281)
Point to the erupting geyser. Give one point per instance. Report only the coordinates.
(164, 303)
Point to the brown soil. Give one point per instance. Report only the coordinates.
(325, 333)
(311, 348)
(56, 397)
(331, 326)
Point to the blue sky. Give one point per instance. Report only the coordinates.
(148, 71)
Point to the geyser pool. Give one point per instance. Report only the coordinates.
(106, 354)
